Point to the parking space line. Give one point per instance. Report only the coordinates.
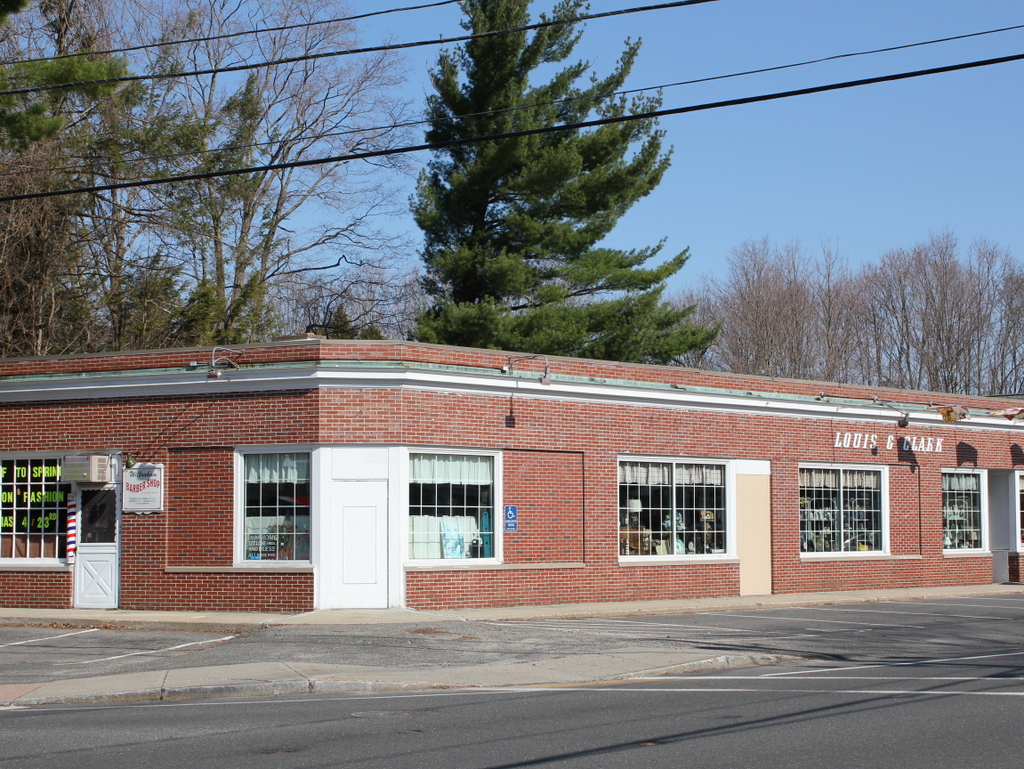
(49, 638)
(640, 623)
(151, 651)
(913, 613)
(809, 619)
(620, 630)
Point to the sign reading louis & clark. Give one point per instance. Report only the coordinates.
(871, 441)
(142, 488)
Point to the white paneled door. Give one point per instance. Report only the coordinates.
(353, 572)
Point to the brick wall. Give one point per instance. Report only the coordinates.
(560, 468)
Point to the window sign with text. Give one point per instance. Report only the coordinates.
(143, 488)
(33, 509)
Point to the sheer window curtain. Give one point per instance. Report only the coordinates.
(645, 473)
(276, 468)
(449, 468)
(960, 482)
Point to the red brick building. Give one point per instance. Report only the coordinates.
(308, 473)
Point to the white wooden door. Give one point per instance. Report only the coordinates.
(353, 571)
(97, 562)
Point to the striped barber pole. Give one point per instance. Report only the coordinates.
(72, 529)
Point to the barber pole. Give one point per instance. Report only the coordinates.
(72, 529)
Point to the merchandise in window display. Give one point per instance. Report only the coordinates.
(671, 509)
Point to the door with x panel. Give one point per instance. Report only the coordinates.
(98, 563)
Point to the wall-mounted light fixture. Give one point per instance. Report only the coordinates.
(512, 361)
(904, 418)
(217, 360)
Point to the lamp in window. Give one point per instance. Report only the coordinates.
(633, 508)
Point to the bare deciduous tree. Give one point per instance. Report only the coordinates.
(923, 318)
(213, 260)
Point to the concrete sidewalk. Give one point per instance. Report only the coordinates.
(281, 678)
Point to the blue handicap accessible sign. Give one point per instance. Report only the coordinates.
(511, 518)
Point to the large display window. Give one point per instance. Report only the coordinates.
(33, 509)
(451, 506)
(842, 509)
(277, 507)
(672, 508)
(962, 519)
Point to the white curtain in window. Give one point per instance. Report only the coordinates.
(276, 468)
(646, 473)
(960, 482)
(818, 478)
(701, 475)
(450, 468)
(862, 479)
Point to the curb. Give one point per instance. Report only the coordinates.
(316, 686)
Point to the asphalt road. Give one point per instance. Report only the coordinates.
(916, 684)
(947, 712)
(892, 631)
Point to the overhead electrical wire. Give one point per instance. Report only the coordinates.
(349, 52)
(651, 115)
(835, 57)
(413, 123)
(229, 35)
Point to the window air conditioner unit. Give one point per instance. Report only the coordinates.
(94, 468)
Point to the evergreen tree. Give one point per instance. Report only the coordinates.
(513, 226)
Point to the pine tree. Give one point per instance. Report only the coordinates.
(513, 226)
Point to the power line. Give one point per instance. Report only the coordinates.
(413, 123)
(651, 115)
(824, 59)
(230, 35)
(351, 51)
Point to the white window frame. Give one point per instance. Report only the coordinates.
(853, 466)
(239, 503)
(729, 485)
(983, 512)
(497, 513)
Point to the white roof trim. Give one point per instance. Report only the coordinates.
(193, 382)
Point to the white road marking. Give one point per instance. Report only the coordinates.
(1013, 601)
(833, 678)
(619, 630)
(935, 661)
(751, 690)
(810, 619)
(151, 651)
(912, 614)
(49, 638)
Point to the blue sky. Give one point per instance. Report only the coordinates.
(866, 169)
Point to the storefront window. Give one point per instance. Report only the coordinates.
(451, 506)
(961, 511)
(840, 510)
(671, 508)
(33, 509)
(277, 507)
